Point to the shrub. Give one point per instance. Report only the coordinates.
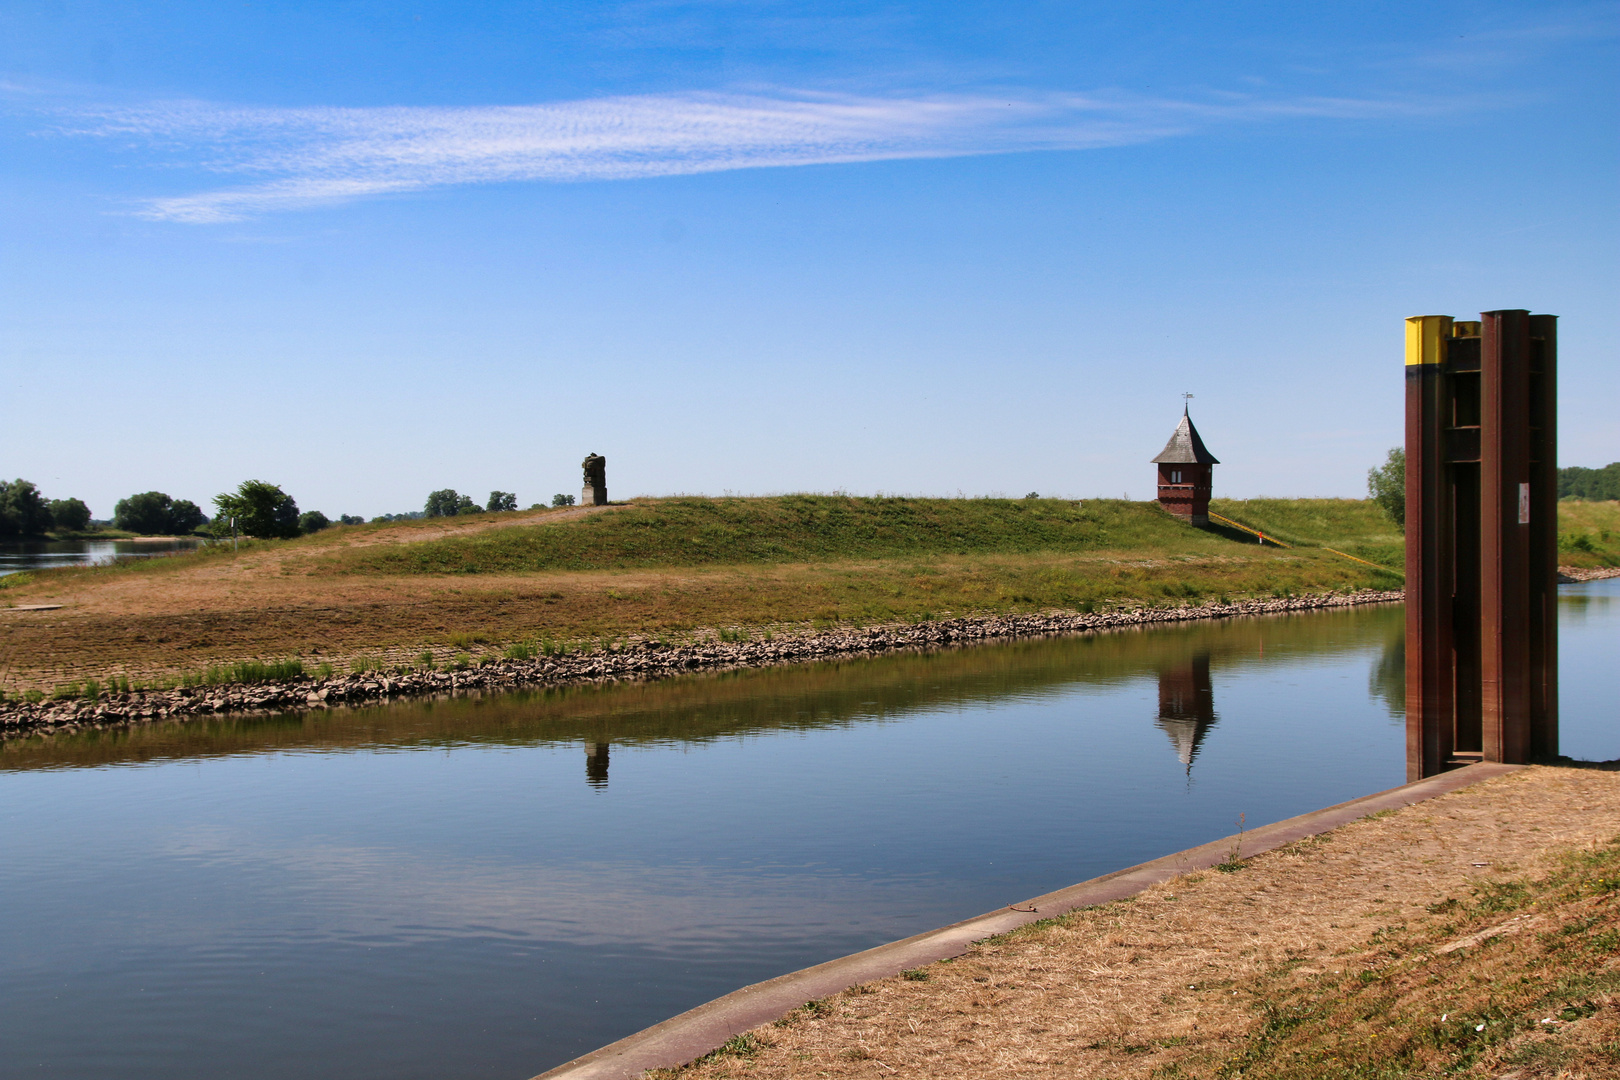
(350, 519)
(501, 500)
(259, 509)
(1386, 485)
(70, 514)
(562, 500)
(23, 511)
(312, 521)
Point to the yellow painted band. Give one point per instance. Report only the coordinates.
(1426, 338)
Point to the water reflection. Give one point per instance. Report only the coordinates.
(1186, 706)
(700, 709)
(426, 889)
(17, 556)
(596, 764)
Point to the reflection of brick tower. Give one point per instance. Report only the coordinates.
(1186, 471)
(1186, 705)
(596, 764)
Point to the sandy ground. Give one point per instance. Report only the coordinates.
(1175, 980)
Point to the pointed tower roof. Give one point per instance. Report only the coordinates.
(1185, 447)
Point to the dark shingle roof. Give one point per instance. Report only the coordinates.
(1185, 447)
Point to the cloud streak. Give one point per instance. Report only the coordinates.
(312, 156)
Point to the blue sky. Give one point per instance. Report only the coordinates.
(369, 250)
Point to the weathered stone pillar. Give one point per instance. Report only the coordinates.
(595, 491)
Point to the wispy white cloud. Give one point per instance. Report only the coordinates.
(310, 156)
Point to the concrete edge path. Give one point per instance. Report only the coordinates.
(694, 1033)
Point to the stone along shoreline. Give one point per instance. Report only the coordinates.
(634, 660)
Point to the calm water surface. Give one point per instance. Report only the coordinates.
(17, 556)
(485, 888)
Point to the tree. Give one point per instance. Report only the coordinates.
(154, 513)
(258, 509)
(501, 500)
(70, 514)
(23, 511)
(447, 503)
(185, 517)
(562, 500)
(1386, 485)
(312, 521)
(351, 519)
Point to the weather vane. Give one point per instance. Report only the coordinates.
(1185, 398)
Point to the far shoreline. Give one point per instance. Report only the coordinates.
(635, 660)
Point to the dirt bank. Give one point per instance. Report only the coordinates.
(1474, 934)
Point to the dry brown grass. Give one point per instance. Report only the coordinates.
(1188, 979)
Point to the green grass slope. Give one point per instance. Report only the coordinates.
(792, 529)
(694, 531)
(1355, 526)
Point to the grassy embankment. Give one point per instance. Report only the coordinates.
(905, 558)
(387, 593)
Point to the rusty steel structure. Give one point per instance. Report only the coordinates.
(1481, 540)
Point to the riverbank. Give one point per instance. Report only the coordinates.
(464, 592)
(640, 659)
(1472, 934)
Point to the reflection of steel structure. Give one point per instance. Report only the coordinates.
(1186, 705)
(1481, 539)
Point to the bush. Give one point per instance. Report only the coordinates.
(258, 509)
(562, 500)
(154, 513)
(23, 511)
(312, 521)
(1386, 485)
(501, 500)
(350, 519)
(70, 514)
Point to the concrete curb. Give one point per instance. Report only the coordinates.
(694, 1033)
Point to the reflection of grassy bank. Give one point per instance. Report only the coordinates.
(699, 708)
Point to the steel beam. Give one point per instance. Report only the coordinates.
(1430, 543)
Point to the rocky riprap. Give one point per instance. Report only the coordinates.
(1570, 575)
(638, 660)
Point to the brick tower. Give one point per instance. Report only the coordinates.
(1186, 471)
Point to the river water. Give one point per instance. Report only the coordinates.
(19, 555)
(488, 887)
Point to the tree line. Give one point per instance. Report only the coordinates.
(24, 511)
(256, 508)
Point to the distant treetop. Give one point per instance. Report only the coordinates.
(1576, 482)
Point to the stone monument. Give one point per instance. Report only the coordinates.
(595, 491)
